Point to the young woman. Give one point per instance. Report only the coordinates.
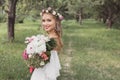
(51, 23)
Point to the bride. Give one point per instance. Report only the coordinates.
(51, 23)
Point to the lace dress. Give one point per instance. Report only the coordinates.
(50, 71)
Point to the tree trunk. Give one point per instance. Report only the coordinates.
(80, 15)
(77, 17)
(104, 20)
(109, 19)
(109, 23)
(11, 19)
(80, 18)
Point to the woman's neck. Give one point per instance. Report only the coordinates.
(52, 34)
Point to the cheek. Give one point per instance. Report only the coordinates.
(53, 24)
(43, 23)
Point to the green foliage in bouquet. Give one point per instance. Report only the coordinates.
(50, 45)
(35, 61)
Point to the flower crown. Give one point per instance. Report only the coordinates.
(53, 12)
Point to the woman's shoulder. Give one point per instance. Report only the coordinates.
(58, 41)
(54, 37)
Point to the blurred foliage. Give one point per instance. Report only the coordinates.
(2, 18)
(99, 9)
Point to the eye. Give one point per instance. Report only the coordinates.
(49, 20)
(43, 20)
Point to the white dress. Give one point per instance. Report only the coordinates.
(50, 71)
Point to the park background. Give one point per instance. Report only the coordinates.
(91, 36)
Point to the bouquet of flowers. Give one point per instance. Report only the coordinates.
(37, 52)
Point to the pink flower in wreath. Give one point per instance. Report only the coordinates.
(61, 17)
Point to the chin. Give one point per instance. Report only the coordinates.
(47, 30)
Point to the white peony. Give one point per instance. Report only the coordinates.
(30, 48)
(37, 45)
(42, 37)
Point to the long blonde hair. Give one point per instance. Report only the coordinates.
(58, 31)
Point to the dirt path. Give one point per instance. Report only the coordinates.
(67, 72)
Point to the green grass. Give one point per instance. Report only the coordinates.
(96, 51)
(93, 50)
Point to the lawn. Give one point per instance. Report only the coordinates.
(90, 52)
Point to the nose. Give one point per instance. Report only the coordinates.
(44, 23)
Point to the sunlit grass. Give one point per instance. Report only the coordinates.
(96, 51)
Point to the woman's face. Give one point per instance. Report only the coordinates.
(48, 22)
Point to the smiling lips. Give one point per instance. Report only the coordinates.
(46, 27)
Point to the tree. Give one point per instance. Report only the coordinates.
(78, 8)
(108, 10)
(11, 11)
(11, 18)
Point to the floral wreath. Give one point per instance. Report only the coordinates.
(53, 12)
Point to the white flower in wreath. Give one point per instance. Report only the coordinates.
(49, 8)
(43, 10)
(58, 14)
(54, 13)
(40, 14)
(47, 11)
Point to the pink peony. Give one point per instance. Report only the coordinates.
(31, 69)
(25, 55)
(44, 56)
